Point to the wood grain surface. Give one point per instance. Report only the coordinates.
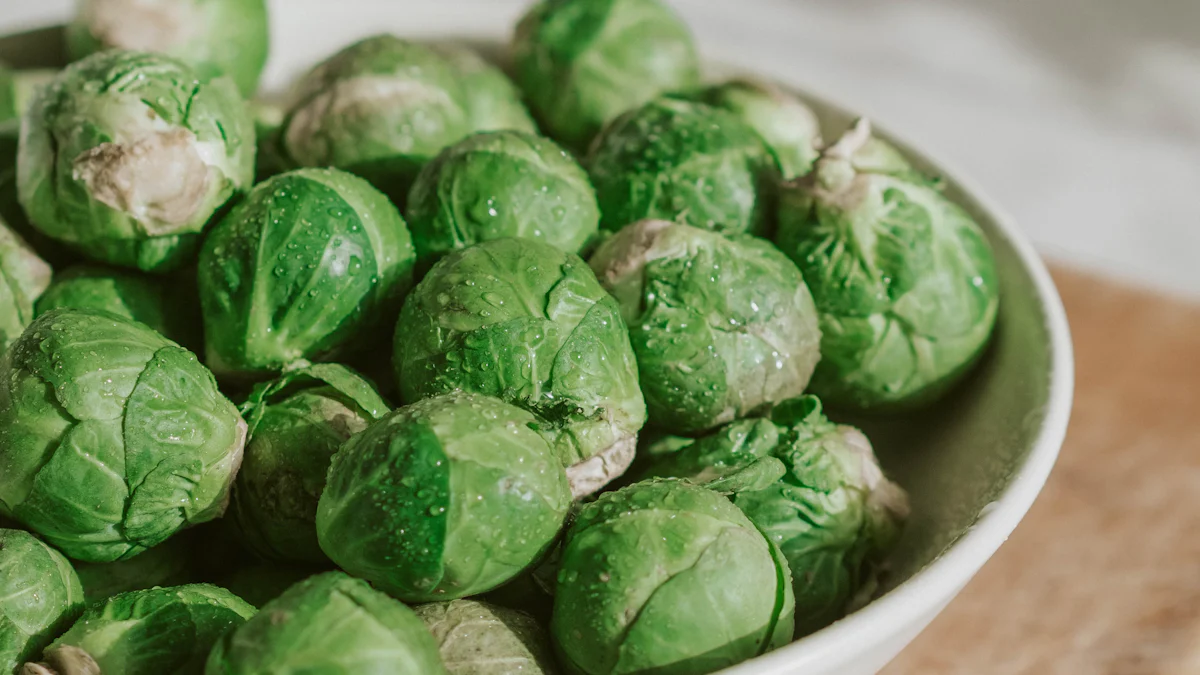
(1103, 575)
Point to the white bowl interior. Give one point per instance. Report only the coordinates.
(972, 464)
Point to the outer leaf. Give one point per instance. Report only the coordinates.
(380, 108)
(581, 63)
(832, 512)
(228, 36)
(331, 624)
(297, 422)
(126, 156)
(446, 498)
(493, 102)
(309, 263)
(111, 437)
(663, 576)
(40, 596)
(475, 638)
(502, 184)
(529, 324)
(161, 630)
(904, 279)
(683, 162)
(23, 277)
(181, 448)
(788, 126)
(722, 327)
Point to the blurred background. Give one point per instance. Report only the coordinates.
(1082, 119)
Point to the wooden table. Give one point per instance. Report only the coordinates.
(1103, 575)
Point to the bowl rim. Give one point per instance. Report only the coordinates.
(918, 599)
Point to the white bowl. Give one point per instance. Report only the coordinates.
(973, 464)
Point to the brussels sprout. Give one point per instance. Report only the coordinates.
(668, 577)
(308, 263)
(528, 323)
(833, 513)
(23, 277)
(261, 583)
(903, 278)
(721, 326)
(789, 127)
(501, 184)
(492, 101)
(171, 563)
(150, 632)
(687, 162)
(126, 294)
(94, 404)
(380, 108)
(40, 596)
(330, 624)
(476, 638)
(445, 498)
(212, 36)
(296, 424)
(126, 156)
(581, 62)
(17, 88)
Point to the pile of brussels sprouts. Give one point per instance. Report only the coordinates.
(439, 382)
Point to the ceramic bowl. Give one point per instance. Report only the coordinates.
(973, 464)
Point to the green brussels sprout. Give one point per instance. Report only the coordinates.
(686, 162)
(40, 596)
(98, 405)
(832, 512)
(212, 36)
(304, 267)
(789, 127)
(171, 563)
(582, 62)
(476, 638)
(501, 184)
(296, 424)
(150, 632)
(668, 577)
(23, 278)
(260, 583)
(445, 498)
(330, 624)
(492, 101)
(904, 279)
(722, 327)
(17, 88)
(126, 294)
(380, 108)
(126, 156)
(528, 323)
